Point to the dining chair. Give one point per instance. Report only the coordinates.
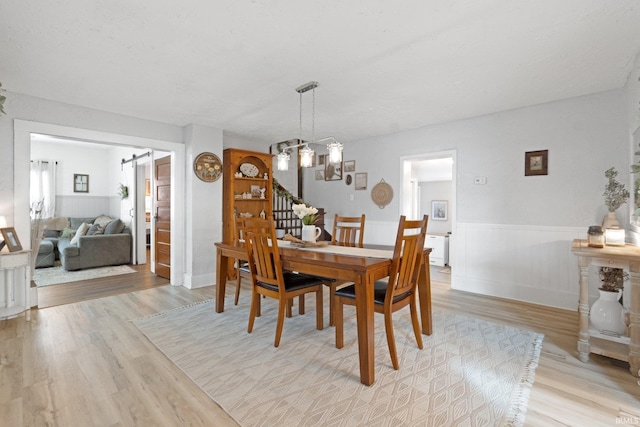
(398, 290)
(347, 231)
(269, 279)
(241, 266)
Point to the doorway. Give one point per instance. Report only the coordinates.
(22, 155)
(429, 187)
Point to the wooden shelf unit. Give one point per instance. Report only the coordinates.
(591, 341)
(233, 187)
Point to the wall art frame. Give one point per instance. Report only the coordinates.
(80, 183)
(11, 239)
(361, 181)
(536, 163)
(439, 210)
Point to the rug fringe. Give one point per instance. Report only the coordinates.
(172, 310)
(516, 415)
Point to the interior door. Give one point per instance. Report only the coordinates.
(162, 216)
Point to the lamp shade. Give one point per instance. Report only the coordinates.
(306, 156)
(335, 151)
(3, 222)
(283, 161)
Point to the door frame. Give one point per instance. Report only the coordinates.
(407, 191)
(22, 157)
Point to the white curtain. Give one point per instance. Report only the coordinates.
(43, 189)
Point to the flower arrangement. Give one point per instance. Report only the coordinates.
(615, 195)
(307, 214)
(612, 278)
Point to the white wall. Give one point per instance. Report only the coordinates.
(103, 165)
(584, 136)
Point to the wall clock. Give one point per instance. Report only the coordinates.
(207, 167)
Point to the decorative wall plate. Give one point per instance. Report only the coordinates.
(207, 167)
(382, 194)
(249, 169)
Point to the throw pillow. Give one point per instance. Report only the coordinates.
(82, 230)
(68, 233)
(103, 220)
(114, 227)
(95, 229)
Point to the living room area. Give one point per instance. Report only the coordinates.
(91, 222)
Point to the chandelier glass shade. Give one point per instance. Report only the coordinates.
(306, 157)
(306, 153)
(283, 161)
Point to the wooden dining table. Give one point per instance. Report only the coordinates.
(362, 270)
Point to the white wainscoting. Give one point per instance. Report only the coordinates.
(525, 263)
(87, 206)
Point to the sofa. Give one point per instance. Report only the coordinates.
(85, 243)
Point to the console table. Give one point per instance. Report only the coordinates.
(590, 340)
(15, 283)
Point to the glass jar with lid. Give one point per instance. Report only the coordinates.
(595, 237)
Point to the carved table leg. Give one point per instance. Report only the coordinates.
(583, 310)
(634, 317)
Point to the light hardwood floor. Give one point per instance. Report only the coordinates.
(86, 364)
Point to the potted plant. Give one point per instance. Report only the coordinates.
(615, 195)
(607, 314)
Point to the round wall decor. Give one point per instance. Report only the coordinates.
(207, 167)
(382, 194)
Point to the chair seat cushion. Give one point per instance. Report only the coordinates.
(294, 281)
(379, 292)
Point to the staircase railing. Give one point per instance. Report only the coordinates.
(283, 215)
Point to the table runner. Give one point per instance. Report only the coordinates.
(341, 250)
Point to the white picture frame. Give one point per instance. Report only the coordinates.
(439, 210)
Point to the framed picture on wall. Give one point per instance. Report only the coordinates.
(80, 183)
(332, 170)
(439, 211)
(350, 166)
(536, 162)
(361, 181)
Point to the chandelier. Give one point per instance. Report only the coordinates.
(306, 153)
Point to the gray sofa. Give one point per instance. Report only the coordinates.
(111, 246)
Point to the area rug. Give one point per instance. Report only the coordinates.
(55, 275)
(471, 372)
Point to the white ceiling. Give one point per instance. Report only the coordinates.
(382, 66)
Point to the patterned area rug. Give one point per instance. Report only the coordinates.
(471, 372)
(55, 275)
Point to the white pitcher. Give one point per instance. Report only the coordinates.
(310, 233)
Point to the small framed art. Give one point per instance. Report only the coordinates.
(11, 239)
(350, 166)
(439, 210)
(80, 183)
(536, 162)
(361, 181)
